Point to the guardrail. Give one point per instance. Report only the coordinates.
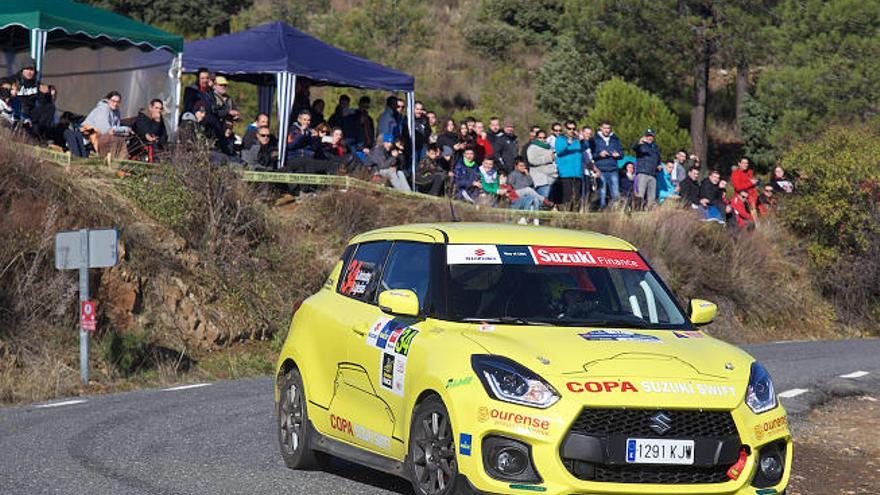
(341, 181)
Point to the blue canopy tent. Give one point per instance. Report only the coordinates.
(276, 54)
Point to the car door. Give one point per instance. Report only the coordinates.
(382, 349)
(355, 403)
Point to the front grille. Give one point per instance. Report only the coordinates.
(611, 427)
(637, 422)
(661, 475)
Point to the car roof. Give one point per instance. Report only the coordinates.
(494, 233)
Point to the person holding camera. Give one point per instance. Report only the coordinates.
(385, 160)
(647, 164)
(743, 179)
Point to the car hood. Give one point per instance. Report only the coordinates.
(626, 367)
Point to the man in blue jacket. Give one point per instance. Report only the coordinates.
(647, 164)
(569, 163)
(606, 151)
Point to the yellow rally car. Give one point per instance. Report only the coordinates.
(482, 358)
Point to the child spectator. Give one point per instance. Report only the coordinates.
(430, 176)
(627, 181)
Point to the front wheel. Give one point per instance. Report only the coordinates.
(293, 424)
(433, 467)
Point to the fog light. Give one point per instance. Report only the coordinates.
(771, 466)
(511, 461)
(506, 459)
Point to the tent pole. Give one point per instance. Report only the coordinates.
(411, 122)
(285, 90)
(176, 73)
(38, 49)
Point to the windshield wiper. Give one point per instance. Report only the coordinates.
(506, 320)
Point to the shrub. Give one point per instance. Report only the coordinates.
(837, 208)
(631, 110)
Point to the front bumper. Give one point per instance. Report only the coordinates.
(554, 442)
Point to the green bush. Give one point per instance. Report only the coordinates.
(837, 208)
(631, 110)
(757, 128)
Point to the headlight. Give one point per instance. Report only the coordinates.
(760, 396)
(508, 381)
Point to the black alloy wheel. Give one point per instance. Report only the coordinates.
(293, 424)
(432, 461)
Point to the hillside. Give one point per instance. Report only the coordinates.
(210, 275)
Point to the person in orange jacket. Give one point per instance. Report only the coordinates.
(743, 179)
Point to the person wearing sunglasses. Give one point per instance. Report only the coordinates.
(606, 151)
(569, 156)
(264, 152)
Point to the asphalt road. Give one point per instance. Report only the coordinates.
(220, 438)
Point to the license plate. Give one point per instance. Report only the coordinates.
(657, 451)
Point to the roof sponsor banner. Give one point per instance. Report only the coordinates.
(472, 254)
(604, 258)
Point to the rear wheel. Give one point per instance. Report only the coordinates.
(433, 467)
(293, 424)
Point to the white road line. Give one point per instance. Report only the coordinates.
(186, 387)
(856, 374)
(788, 394)
(62, 403)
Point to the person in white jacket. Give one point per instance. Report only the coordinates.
(542, 163)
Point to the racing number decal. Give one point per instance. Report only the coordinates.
(402, 345)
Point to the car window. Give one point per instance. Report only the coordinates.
(361, 275)
(409, 267)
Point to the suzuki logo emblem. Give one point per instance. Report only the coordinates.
(660, 423)
(480, 252)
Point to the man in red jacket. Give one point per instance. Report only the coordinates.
(742, 211)
(743, 179)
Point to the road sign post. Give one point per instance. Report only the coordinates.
(81, 250)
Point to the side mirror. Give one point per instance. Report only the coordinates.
(702, 312)
(400, 302)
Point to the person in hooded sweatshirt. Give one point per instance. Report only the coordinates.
(106, 125)
(28, 87)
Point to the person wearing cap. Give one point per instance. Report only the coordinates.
(647, 165)
(28, 87)
(223, 107)
(385, 159)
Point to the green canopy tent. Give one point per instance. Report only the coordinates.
(86, 51)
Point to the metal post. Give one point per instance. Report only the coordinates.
(83, 296)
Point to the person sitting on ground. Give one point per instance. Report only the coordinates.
(744, 179)
(712, 202)
(385, 161)
(689, 189)
(104, 128)
(193, 132)
(524, 187)
(542, 162)
(7, 117)
(28, 87)
(466, 177)
(73, 140)
(430, 175)
(767, 200)
(149, 132)
(42, 115)
(262, 154)
(781, 182)
(250, 134)
(301, 140)
(742, 211)
(333, 144)
(491, 189)
(666, 187)
(225, 143)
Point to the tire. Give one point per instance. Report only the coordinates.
(293, 424)
(431, 461)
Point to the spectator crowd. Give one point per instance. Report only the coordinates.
(560, 167)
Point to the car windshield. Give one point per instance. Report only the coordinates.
(528, 285)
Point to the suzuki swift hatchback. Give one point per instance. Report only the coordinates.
(481, 358)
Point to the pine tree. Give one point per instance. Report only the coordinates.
(567, 80)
